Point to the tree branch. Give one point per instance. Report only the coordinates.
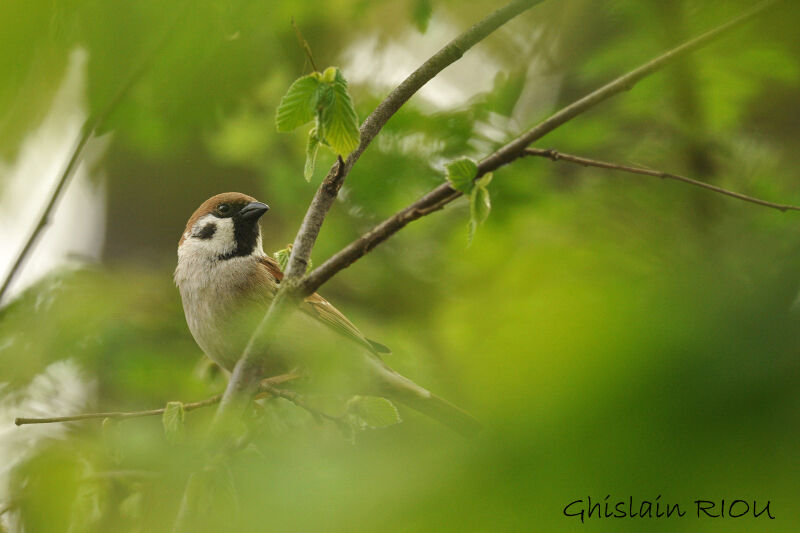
(300, 402)
(266, 385)
(443, 194)
(553, 155)
(249, 368)
(116, 414)
(92, 123)
(327, 192)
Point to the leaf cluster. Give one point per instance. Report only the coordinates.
(323, 98)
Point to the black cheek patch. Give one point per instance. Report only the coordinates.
(207, 232)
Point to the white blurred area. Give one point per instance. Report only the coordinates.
(60, 390)
(382, 64)
(77, 225)
(74, 236)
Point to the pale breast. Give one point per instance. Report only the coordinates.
(219, 304)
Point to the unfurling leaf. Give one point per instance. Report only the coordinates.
(329, 76)
(373, 411)
(484, 180)
(311, 153)
(173, 421)
(323, 98)
(282, 257)
(480, 204)
(338, 118)
(298, 105)
(460, 174)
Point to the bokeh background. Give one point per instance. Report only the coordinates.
(617, 335)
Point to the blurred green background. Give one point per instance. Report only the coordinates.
(617, 335)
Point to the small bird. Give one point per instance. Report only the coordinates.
(227, 282)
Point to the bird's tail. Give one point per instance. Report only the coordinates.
(409, 393)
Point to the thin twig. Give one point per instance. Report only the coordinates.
(92, 123)
(304, 45)
(372, 125)
(8, 506)
(267, 385)
(443, 194)
(116, 414)
(553, 155)
(250, 366)
(300, 402)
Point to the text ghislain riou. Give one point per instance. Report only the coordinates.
(630, 508)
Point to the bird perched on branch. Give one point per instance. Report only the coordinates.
(227, 282)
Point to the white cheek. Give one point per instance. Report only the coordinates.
(221, 243)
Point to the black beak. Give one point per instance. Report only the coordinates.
(253, 211)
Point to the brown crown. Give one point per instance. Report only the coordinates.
(209, 205)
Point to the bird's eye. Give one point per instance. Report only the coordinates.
(223, 209)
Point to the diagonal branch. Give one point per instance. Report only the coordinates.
(443, 194)
(250, 366)
(553, 155)
(326, 194)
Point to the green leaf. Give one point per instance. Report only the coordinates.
(329, 76)
(373, 411)
(422, 14)
(480, 204)
(173, 421)
(460, 174)
(337, 117)
(311, 153)
(484, 180)
(282, 257)
(298, 105)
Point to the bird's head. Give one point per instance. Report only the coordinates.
(223, 227)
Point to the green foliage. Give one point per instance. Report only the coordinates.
(421, 14)
(337, 115)
(372, 412)
(461, 173)
(311, 153)
(282, 257)
(480, 205)
(637, 315)
(299, 105)
(173, 422)
(323, 98)
(461, 176)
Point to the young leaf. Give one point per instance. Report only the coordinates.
(282, 256)
(480, 205)
(484, 180)
(373, 411)
(338, 117)
(311, 153)
(298, 105)
(173, 421)
(460, 174)
(422, 14)
(329, 76)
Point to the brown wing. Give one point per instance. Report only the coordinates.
(319, 308)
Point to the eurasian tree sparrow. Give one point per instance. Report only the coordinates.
(226, 282)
